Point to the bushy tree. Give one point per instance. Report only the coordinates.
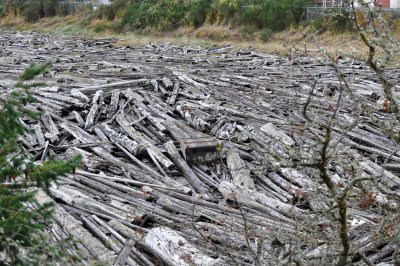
(22, 219)
(50, 7)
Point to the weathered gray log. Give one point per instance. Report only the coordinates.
(238, 169)
(97, 102)
(184, 167)
(174, 95)
(123, 140)
(154, 120)
(276, 133)
(91, 116)
(163, 90)
(99, 133)
(137, 235)
(137, 136)
(78, 94)
(185, 78)
(112, 85)
(194, 120)
(253, 198)
(124, 253)
(98, 97)
(113, 106)
(39, 134)
(62, 98)
(55, 105)
(140, 256)
(176, 132)
(74, 228)
(108, 242)
(154, 83)
(52, 129)
(176, 250)
(74, 197)
(78, 118)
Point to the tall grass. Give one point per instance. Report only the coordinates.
(167, 15)
(170, 14)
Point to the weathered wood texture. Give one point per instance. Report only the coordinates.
(126, 109)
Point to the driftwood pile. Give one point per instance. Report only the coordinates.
(137, 199)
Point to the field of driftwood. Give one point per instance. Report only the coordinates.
(194, 156)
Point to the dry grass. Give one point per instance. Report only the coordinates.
(282, 43)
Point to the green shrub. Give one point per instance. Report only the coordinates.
(33, 10)
(266, 35)
(2, 11)
(275, 15)
(336, 21)
(99, 28)
(36, 9)
(342, 22)
(197, 12)
(170, 14)
(50, 8)
(63, 9)
(247, 32)
(319, 24)
(110, 11)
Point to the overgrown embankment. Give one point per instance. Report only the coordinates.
(159, 16)
(269, 25)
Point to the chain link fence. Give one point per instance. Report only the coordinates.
(313, 12)
(73, 6)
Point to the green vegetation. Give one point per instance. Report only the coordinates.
(22, 218)
(167, 15)
(335, 21)
(250, 19)
(266, 35)
(33, 10)
(1, 11)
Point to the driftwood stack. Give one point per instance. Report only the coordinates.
(138, 200)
